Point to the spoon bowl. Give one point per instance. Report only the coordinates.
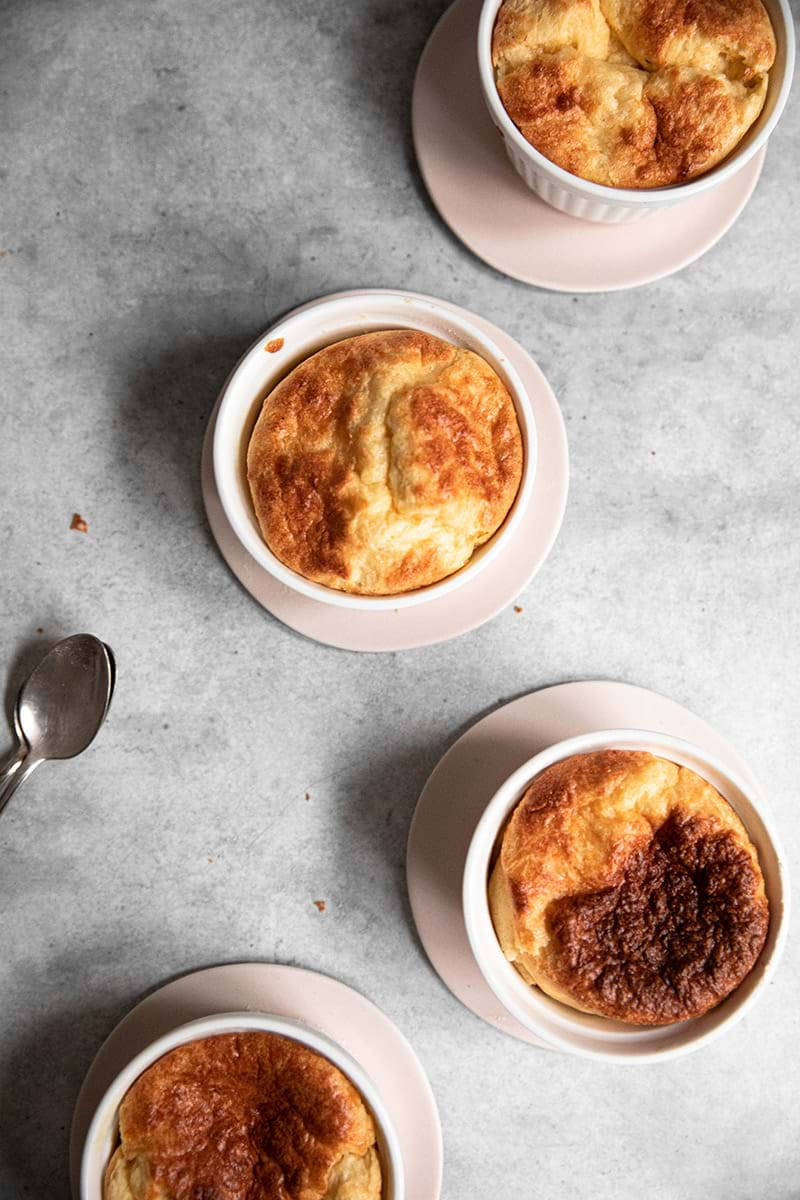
(60, 707)
(64, 700)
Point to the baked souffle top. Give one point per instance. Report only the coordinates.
(244, 1116)
(382, 462)
(633, 93)
(627, 886)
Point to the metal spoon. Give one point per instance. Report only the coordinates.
(60, 707)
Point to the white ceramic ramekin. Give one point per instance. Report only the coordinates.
(301, 334)
(102, 1137)
(596, 202)
(565, 1028)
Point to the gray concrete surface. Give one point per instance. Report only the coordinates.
(174, 175)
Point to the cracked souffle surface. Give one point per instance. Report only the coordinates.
(244, 1116)
(627, 886)
(633, 93)
(382, 462)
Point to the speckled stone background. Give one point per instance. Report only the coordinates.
(176, 174)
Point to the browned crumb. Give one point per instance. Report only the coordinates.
(308, 795)
(320, 904)
(517, 608)
(39, 629)
(210, 859)
(274, 346)
(78, 523)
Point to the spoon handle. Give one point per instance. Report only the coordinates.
(15, 771)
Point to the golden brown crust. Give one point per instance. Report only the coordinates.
(380, 463)
(245, 1116)
(627, 886)
(729, 37)
(633, 93)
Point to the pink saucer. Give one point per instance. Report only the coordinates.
(450, 615)
(323, 1003)
(486, 204)
(470, 773)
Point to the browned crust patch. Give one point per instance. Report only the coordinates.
(679, 931)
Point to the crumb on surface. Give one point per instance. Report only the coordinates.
(320, 904)
(307, 796)
(78, 523)
(274, 346)
(517, 608)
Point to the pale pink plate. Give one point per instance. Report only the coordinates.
(318, 1001)
(450, 615)
(465, 780)
(486, 204)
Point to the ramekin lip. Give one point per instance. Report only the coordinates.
(629, 198)
(231, 1022)
(325, 309)
(559, 1025)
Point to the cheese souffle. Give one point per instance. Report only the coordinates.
(239, 1115)
(626, 886)
(633, 93)
(381, 463)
